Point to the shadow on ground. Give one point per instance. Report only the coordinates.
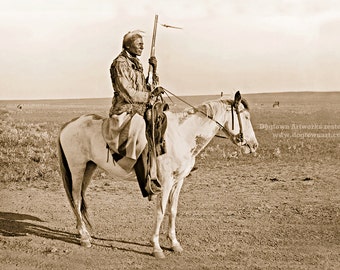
(18, 225)
(15, 225)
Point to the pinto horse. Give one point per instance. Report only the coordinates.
(82, 149)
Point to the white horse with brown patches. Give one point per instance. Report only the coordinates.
(82, 149)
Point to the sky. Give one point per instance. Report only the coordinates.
(64, 48)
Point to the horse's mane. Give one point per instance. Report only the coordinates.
(206, 108)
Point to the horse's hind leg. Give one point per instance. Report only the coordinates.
(89, 170)
(85, 236)
(78, 185)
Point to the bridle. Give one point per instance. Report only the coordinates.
(238, 138)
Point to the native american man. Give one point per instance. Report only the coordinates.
(132, 93)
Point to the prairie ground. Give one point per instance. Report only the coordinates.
(278, 209)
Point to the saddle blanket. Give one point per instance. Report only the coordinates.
(125, 134)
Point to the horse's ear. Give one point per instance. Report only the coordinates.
(237, 98)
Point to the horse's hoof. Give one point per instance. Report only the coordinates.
(85, 243)
(177, 249)
(158, 254)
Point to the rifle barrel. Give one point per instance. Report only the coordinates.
(153, 45)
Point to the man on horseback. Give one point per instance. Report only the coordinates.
(132, 94)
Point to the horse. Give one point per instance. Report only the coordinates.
(82, 149)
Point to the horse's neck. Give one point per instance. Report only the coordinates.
(195, 132)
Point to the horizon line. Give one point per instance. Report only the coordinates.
(256, 93)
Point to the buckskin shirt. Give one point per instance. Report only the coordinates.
(131, 93)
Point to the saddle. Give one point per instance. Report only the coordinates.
(156, 124)
(146, 165)
(136, 141)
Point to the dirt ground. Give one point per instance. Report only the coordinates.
(279, 209)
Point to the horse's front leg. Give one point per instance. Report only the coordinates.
(161, 203)
(173, 204)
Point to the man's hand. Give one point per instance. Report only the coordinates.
(157, 91)
(153, 63)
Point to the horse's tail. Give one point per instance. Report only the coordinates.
(67, 181)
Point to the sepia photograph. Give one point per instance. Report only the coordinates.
(170, 134)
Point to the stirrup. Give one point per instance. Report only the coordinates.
(153, 187)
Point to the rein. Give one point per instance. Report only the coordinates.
(237, 138)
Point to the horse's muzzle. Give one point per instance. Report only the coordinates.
(250, 147)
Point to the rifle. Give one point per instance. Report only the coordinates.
(153, 49)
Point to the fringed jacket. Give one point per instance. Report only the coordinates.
(131, 91)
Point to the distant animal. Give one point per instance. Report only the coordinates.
(82, 149)
(19, 107)
(276, 104)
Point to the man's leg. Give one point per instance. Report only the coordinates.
(141, 169)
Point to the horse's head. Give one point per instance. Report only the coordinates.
(238, 126)
(232, 118)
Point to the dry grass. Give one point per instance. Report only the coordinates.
(28, 136)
